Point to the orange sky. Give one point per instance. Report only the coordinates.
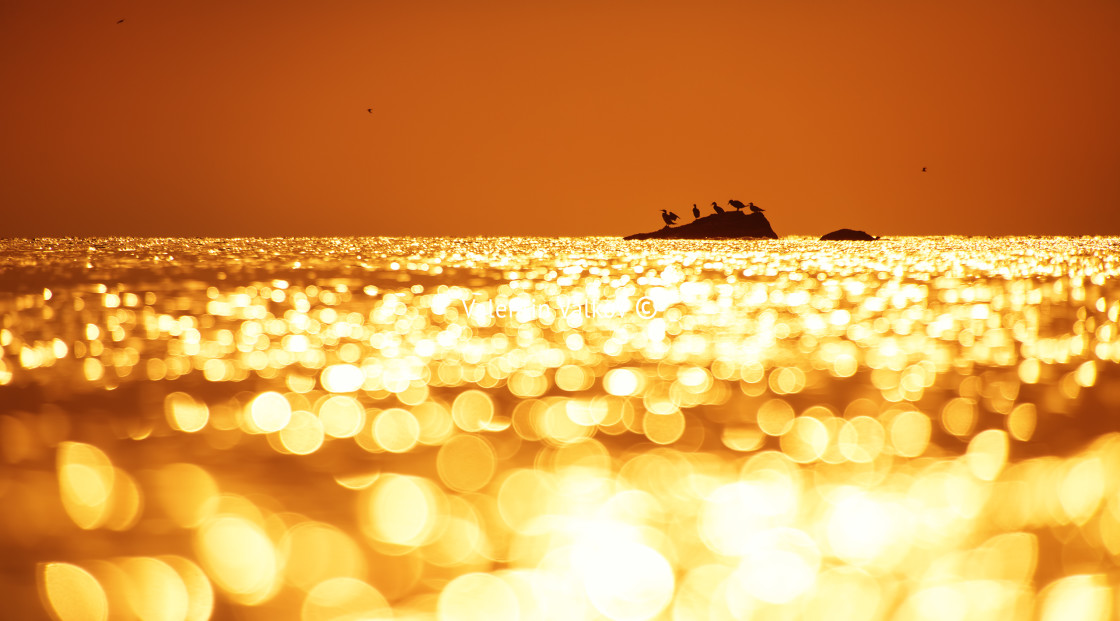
(208, 117)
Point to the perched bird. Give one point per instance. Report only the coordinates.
(669, 217)
(736, 204)
(755, 208)
(717, 207)
(695, 211)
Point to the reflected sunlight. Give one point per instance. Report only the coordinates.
(918, 429)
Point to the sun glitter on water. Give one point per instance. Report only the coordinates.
(920, 428)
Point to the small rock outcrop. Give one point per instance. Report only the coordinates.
(847, 235)
(728, 225)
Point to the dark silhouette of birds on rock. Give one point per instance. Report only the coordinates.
(723, 224)
(671, 218)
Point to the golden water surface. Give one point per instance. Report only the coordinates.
(561, 429)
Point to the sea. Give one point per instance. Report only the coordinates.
(561, 429)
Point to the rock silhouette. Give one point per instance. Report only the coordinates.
(726, 225)
(847, 235)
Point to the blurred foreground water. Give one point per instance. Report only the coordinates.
(561, 429)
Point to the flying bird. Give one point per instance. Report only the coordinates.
(120, 21)
(755, 208)
(923, 168)
(717, 207)
(736, 204)
(370, 110)
(669, 217)
(695, 211)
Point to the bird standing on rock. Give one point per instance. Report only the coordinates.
(716, 206)
(695, 211)
(736, 204)
(755, 208)
(669, 217)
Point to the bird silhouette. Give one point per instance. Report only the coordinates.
(736, 204)
(120, 21)
(669, 217)
(717, 207)
(370, 110)
(695, 211)
(923, 168)
(755, 208)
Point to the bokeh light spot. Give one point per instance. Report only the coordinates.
(478, 597)
(622, 382)
(184, 413)
(401, 510)
(303, 434)
(958, 416)
(466, 463)
(345, 599)
(72, 593)
(910, 433)
(239, 557)
(270, 412)
(625, 581)
(805, 440)
(472, 410)
(200, 593)
(1082, 597)
(342, 416)
(86, 480)
(987, 454)
(775, 417)
(156, 591)
(663, 428)
(396, 430)
(185, 492)
(342, 378)
(315, 551)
